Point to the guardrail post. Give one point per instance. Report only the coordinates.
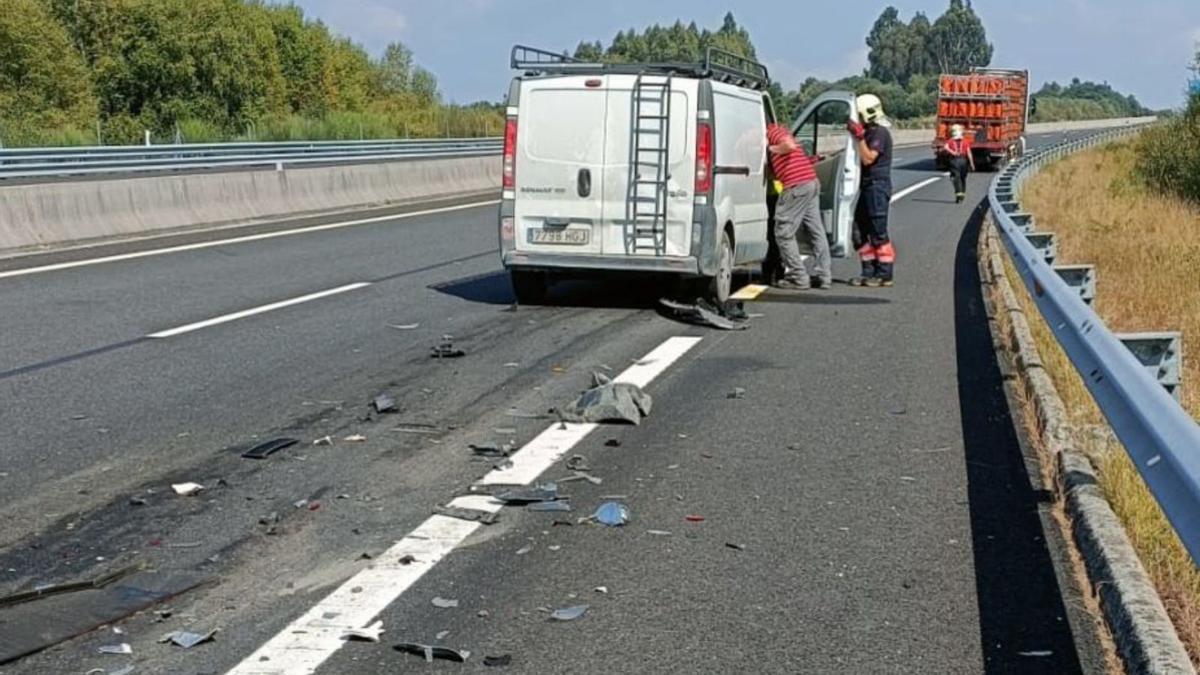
(1010, 206)
(1080, 277)
(1044, 242)
(1023, 221)
(1161, 354)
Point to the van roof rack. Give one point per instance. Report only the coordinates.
(719, 65)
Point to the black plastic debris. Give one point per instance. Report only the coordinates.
(498, 661)
(384, 404)
(446, 349)
(431, 652)
(491, 449)
(737, 393)
(736, 547)
(473, 515)
(731, 316)
(577, 463)
(268, 448)
(188, 639)
(39, 619)
(616, 402)
(612, 443)
(545, 492)
(569, 613)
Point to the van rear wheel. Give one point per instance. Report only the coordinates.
(529, 287)
(718, 288)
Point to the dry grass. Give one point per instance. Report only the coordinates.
(1147, 253)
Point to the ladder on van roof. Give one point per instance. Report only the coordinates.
(649, 166)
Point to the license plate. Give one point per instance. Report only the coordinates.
(570, 236)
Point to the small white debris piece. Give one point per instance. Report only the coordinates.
(369, 633)
(406, 326)
(327, 440)
(187, 489)
(355, 438)
(122, 648)
(601, 589)
(444, 603)
(1037, 654)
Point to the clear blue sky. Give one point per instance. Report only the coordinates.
(1140, 47)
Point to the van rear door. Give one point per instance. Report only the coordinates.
(624, 136)
(821, 129)
(560, 164)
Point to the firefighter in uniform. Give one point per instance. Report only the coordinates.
(959, 158)
(875, 248)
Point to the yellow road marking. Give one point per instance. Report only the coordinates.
(749, 292)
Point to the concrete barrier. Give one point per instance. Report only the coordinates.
(49, 214)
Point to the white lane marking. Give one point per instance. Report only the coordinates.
(913, 188)
(180, 330)
(239, 240)
(301, 647)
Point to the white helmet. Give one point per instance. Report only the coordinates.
(957, 132)
(870, 109)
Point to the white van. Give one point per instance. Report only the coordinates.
(658, 168)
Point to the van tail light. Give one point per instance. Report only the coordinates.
(510, 154)
(704, 158)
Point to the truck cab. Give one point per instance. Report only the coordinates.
(649, 168)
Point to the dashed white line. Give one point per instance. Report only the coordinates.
(913, 188)
(238, 240)
(180, 330)
(301, 647)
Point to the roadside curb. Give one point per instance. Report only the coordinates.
(1140, 626)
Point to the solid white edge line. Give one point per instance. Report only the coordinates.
(306, 643)
(180, 330)
(240, 240)
(913, 188)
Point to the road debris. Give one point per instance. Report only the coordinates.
(431, 652)
(603, 590)
(404, 326)
(444, 603)
(268, 448)
(658, 533)
(609, 402)
(498, 661)
(326, 440)
(577, 463)
(188, 639)
(137, 501)
(737, 393)
(561, 506)
(544, 492)
(355, 438)
(384, 404)
(1037, 654)
(730, 316)
(612, 443)
(446, 349)
(123, 648)
(525, 549)
(187, 489)
(694, 519)
(407, 559)
(369, 633)
(736, 547)
(611, 514)
(569, 613)
(505, 431)
(491, 449)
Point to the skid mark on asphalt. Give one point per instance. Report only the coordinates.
(310, 640)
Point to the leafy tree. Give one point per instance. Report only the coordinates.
(958, 40)
(395, 69)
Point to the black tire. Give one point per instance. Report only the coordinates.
(717, 289)
(528, 287)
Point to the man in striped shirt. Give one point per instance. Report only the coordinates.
(798, 213)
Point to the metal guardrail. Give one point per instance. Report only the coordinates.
(23, 163)
(1161, 438)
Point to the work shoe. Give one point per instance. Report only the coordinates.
(877, 282)
(861, 281)
(822, 284)
(791, 285)
(959, 198)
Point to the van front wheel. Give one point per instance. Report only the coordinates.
(528, 287)
(718, 288)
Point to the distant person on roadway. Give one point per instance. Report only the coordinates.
(875, 248)
(798, 212)
(959, 157)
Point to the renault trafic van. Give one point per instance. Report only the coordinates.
(653, 168)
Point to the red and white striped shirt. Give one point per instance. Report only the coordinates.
(794, 168)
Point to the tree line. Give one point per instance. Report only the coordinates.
(75, 71)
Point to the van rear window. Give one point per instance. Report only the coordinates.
(564, 125)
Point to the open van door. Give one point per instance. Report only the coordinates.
(821, 130)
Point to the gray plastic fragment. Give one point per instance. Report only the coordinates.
(569, 613)
(545, 492)
(611, 402)
(431, 652)
(555, 507)
(473, 515)
(384, 404)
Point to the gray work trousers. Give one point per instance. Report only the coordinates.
(798, 214)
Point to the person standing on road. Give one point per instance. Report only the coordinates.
(959, 157)
(798, 213)
(875, 248)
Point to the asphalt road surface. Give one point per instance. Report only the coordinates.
(864, 506)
